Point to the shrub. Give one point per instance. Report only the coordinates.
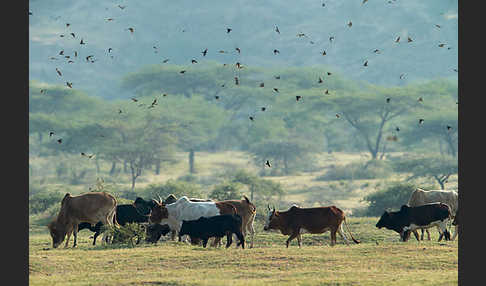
(227, 191)
(372, 169)
(42, 200)
(392, 197)
(127, 233)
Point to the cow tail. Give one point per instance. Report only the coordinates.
(355, 240)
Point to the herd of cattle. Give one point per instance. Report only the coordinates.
(203, 219)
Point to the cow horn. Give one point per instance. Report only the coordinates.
(160, 199)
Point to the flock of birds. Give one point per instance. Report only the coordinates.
(238, 66)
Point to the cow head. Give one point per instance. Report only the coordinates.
(272, 221)
(57, 233)
(159, 212)
(385, 220)
(170, 199)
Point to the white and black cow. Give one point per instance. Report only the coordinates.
(408, 219)
(215, 226)
(184, 209)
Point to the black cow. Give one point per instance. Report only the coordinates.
(408, 219)
(155, 231)
(124, 214)
(215, 226)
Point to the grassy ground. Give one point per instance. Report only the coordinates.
(380, 259)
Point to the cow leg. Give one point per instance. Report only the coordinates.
(68, 237)
(205, 241)
(241, 237)
(292, 236)
(341, 233)
(75, 233)
(229, 239)
(333, 237)
(428, 234)
(216, 242)
(443, 229)
(173, 235)
(252, 233)
(417, 236)
(455, 232)
(299, 240)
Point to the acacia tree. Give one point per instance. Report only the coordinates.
(439, 168)
(370, 112)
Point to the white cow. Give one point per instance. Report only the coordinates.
(421, 197)
(184, 209)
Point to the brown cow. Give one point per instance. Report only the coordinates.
(296, 221)
(92, 207)
(247, 211)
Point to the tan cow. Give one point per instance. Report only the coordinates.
(421, 197)
(92, 207)
(247, 211)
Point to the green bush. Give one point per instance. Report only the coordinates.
(227, 191)
(43, 200)
(127, 233)
(392, 197)
(372, 169)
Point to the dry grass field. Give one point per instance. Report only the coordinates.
(380, 259)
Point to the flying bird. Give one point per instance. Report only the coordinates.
(420, 99)
(421, 121)
(277, 30)
(350, 24)
(120, 111)
(61, 53)
(88, 58)
(59, 140)
(328, 73)
(376, 51)
(165, 61)
(75, 53)
(441, 45)
(42, 90)
(449, 127)
(251, 118)
(121, 7)
(131, 30)
(267, 163)
(58, 72)
(397, 40)
(364, 1)
(183, 71)
(67, 25)
(69, 84)
(262, 84)
(438, 26)
(402, 76)
(237, 82)
(365, 64)
(228, 30)
(275, 89)
(337, 115)
(323, 53)
(238, 65)
(298, 97)
(275, 51)
(327, 91)
(388, 100)
(392, 138)
(397, 129)
(216, 96)
(109, 19)
(455, 70)
(134, 99)
(238, 50)
(61, 35)
(72, 34)
(221, 51)
(263, 108)
(193, 61)
(109, 50)
(204, 52)
(409, 40)
(82, 42)
(30, 13)
(320, 80)
(331, 39)
(51, 133)
(70, 62)
(277, 77)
